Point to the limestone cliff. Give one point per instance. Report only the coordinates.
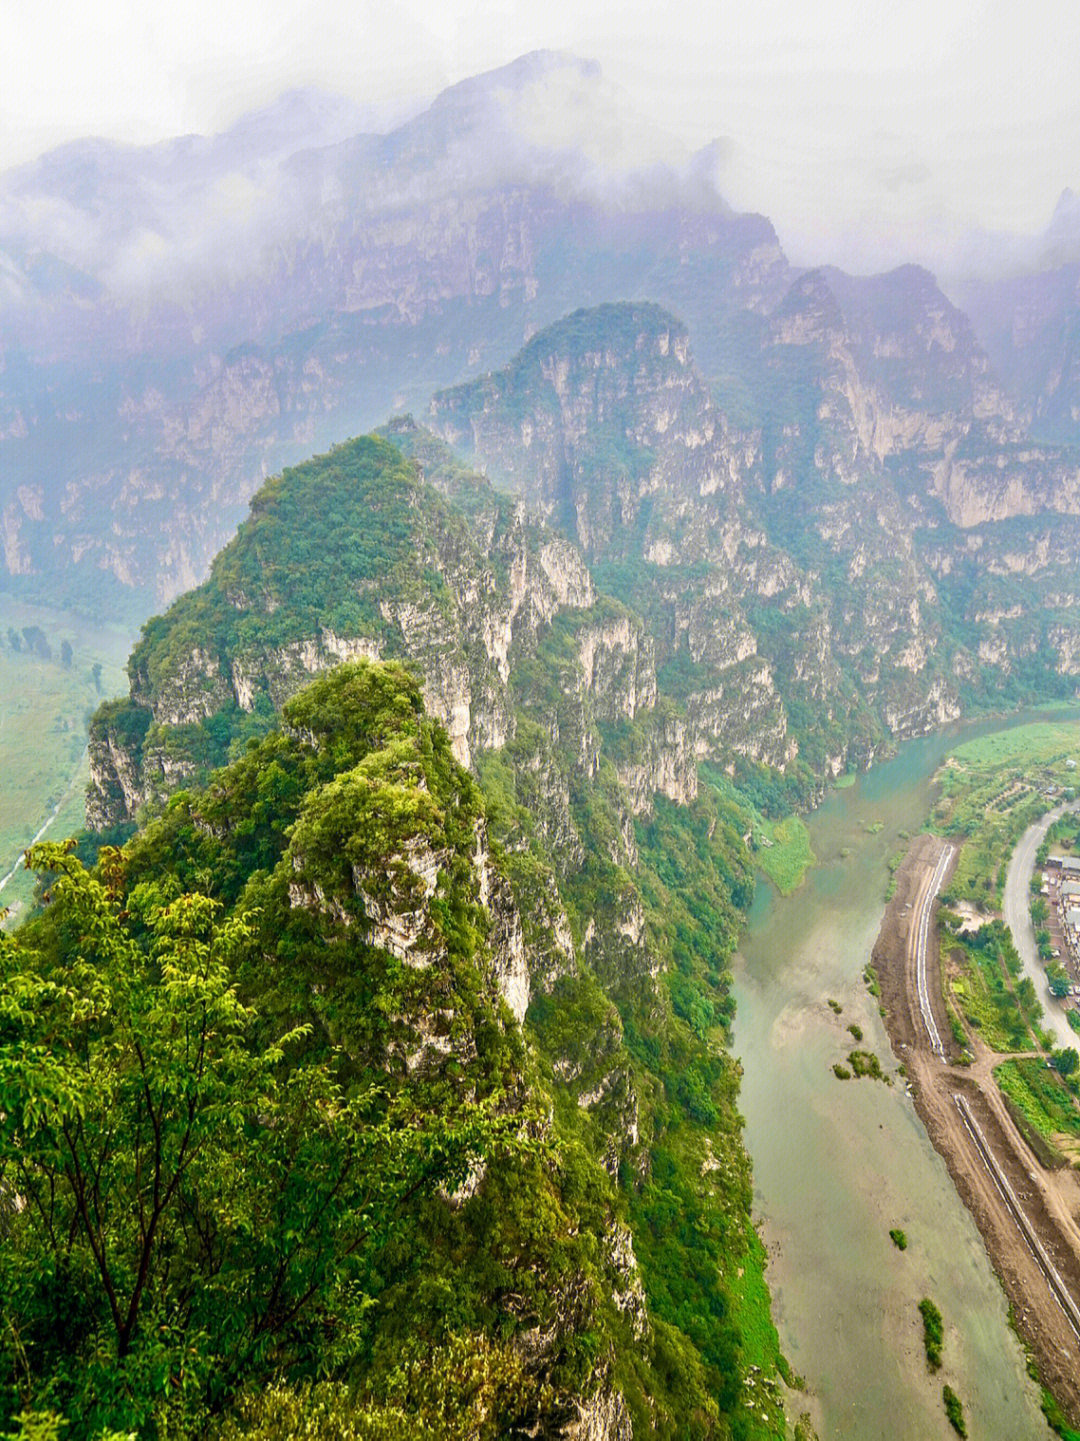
(588, 755)
(795, 564)
(368, 270)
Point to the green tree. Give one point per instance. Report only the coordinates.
(36, 641)
(186, 1203)
(1058, 980)
(1065, 1061)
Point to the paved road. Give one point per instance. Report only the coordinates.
(921, 935)
(1017, 913)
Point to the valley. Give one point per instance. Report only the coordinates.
(963, 1014)
(1025, 1213)
(547, 691)
(837, 1164)
(45, 710)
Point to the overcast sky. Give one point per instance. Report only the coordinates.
(868, 130)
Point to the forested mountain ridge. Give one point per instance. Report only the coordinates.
(447, 775)
(797, 613)
(278, 1041)
(627, 867)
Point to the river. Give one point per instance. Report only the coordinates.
(837, 1163)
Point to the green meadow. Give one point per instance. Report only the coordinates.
(45, 707)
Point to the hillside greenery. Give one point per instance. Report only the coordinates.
(49, 687)
(237, 1156)
(991, 788)
(241, 900)
(627, 1035)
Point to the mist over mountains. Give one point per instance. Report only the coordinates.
(475, 730)
(177, 321)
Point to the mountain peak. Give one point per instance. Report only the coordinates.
(298, 119)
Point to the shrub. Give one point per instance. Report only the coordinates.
(933, 1333)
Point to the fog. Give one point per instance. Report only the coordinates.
(941, 133)
(191, 213)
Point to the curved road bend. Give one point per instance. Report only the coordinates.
(921, 936)
(1017, 913)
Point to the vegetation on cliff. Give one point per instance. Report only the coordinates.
(261, 1053)
(250, 1132)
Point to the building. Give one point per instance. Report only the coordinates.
(1069, 865)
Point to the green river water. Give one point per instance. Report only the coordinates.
(837, 1163)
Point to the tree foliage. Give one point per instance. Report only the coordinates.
(241, 1140)
(186, 1204)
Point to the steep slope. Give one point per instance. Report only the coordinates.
(163, 347)
(1027, 314)
(347, 856)
(627, 868)
(861, 536)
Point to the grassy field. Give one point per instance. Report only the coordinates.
(988, 997)
(789, 857)
(1043, 1096)
(1041, 741)
(752, 1315)
(991, 788)
(780, 848)
(44, 710)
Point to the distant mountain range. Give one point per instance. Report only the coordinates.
(180, 320)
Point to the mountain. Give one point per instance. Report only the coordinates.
(625, 863)
(402, 1143)
(1030, 323)
(455, 757)
(178, 322)
(884, 561)
(659, 629)
(888, 555)
(1025, 304)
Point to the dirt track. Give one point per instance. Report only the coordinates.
(1049, 1199)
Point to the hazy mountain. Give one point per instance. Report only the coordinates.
(183, 319)
(226, 306)
(879, 553)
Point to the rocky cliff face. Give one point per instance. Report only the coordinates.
(797, 563)
(140, 409)
(479, 590)
(386, 926)
(1030, 325)
(147, 387)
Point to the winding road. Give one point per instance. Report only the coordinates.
(1016, 910)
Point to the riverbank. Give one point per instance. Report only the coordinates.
(1025, 1213)
(838, 1164)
